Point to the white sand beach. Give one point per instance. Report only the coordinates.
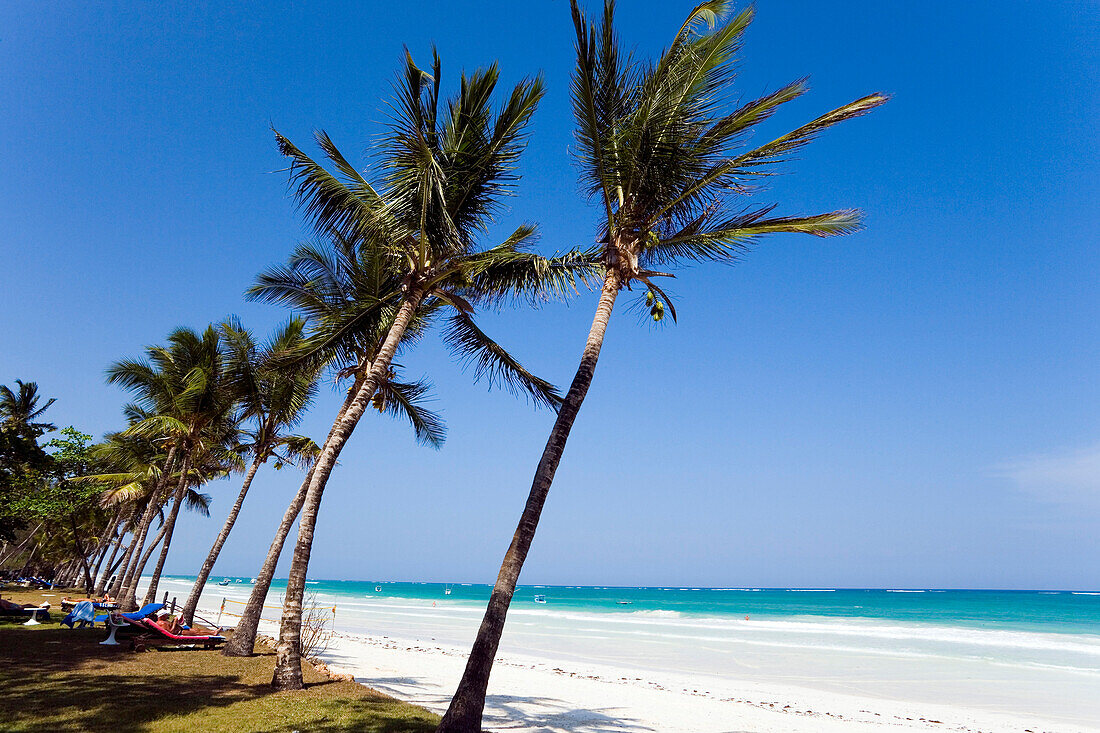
(528, 694)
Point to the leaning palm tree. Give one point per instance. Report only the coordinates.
(184, 394)
(443, 168)
(211, 454)
(662, 154)
(273, 400)
(333, 283)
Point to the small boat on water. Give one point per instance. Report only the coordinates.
(540, 599)
(377, 589)
(624, 603)
(447, 591)
(225, 581)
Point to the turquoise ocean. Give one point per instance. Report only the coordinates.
(1033, 651)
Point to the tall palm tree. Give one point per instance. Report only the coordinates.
(184, 393)
(332, 283)
(19, 409)
(443, 170)
(662, 153)
(273, 400)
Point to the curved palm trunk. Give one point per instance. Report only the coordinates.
(288, 663)
(243, 641)
(169, 527)
(104, 548)
(468, 703)
(127, 559)
(101, 582)
(26, 541)
(208, 564)
(111, 572)
(130, 575)
(144, 559)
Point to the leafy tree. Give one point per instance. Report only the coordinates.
(19, 409)
(661, 150)
(443, 168)
(272, 400)
(186, 403)
(332, 283)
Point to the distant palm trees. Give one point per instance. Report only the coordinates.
(664, 158)
(185, 393)
(19, 409)
(443, 167)
(272, 400)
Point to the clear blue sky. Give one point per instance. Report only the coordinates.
(916, 405)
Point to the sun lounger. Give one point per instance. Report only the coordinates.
(157, 635)
(37, 614)
(143, 612)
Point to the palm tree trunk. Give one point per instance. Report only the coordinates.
(208, 564)
(170, 526)
(468, 703)
(30, 559)
(127, 559)
(112, 567)
(105, 547)
(243, 641)
(101, 581)
(288, 663)
(82, 557)
(19, 548)
(144, 559)
(128, 587)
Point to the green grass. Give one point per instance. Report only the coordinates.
(56, 679)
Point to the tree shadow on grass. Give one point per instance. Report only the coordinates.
(61, 680)
(112, 702)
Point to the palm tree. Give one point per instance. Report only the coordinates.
(662, 155)
(211, 454)
(442, 174)
(19, 409)
(333, 283)
(274, 400)
(186, 403)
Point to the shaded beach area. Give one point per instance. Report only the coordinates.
(57, 679)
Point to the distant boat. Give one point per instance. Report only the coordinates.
(447, 591)
(253, 581)
(377, 589)
(540, 599)
(240, 580)
(624, 603)
(224, 582)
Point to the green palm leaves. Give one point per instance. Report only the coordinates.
(442, 169)
(19, 408)
(665, 160)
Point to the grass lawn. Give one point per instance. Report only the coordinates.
(56, 679)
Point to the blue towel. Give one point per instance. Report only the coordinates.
(141, 613)
(83, 613)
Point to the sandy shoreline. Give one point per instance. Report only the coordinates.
(536, 695)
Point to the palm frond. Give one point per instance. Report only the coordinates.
(400, 399)
(492, 363)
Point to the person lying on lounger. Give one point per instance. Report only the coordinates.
(11, 606)
(173, 625)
